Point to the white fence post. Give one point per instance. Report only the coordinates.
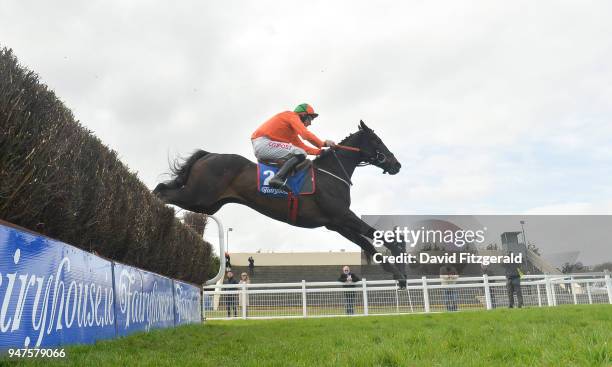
(396, 298)
(244, 300)
(203, 305)
(554, 293)
(365, 296)
(487, 291)
(539, 296)
(425, 294)
(304, 308)
(609, 286)
(588, 286)
(572, 287)
(549, 291)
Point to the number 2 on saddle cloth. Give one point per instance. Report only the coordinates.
(301, 182)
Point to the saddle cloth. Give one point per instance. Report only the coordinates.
(301, 181)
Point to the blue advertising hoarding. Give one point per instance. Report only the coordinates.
(54, 294)
(144, 300)
(188, 303)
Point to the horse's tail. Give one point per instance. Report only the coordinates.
(182, 169)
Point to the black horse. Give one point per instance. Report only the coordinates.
(207, 181)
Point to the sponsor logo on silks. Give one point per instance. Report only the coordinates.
(276, 144)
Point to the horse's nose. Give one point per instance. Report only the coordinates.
(395, 168)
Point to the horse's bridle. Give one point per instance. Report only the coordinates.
(378, 158)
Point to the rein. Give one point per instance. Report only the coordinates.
(346, 181)
(346, 147)
(362, 164)
(348, 178)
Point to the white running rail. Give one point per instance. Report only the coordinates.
(323, 299)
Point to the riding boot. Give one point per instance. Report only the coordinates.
(279, 181)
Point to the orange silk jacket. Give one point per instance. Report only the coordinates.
(287, 127)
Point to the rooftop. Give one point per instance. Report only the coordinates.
(296, 258)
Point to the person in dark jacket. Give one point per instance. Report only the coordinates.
(228, 263)
(231, 299)
(349, 278)
(513, 284)
(251, 265)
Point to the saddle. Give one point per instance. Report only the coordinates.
(306, 163)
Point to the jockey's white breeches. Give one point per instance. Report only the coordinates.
(269, 150)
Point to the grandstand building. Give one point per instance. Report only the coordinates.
(288, 267)
(281, 267)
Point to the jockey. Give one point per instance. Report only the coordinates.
(279, 139)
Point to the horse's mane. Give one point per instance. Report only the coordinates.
(351, 135)
(342, 142)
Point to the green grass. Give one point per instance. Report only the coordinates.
(560, 336)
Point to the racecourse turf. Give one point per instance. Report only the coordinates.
(558, 336)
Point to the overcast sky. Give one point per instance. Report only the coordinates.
(491, 106)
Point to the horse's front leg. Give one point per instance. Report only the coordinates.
(362, 241)
(358, 225)
(352, 222)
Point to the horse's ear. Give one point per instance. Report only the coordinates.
(362, 126)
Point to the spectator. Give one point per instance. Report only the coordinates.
(251, 265)
(231, 299)
(244, 279)
(448, 276)
(349, 279)
(513, 284)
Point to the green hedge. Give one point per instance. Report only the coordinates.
(57, 178)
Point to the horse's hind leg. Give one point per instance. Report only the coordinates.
(162, 190)
(182, 198)
(168, 194)
(207, 184)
